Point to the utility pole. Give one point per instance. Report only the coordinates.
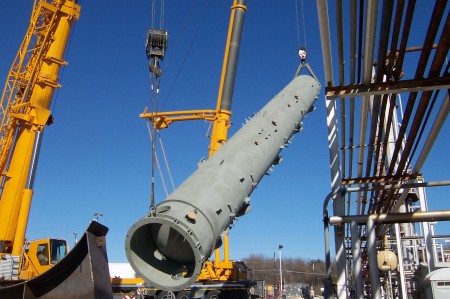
(281, 272)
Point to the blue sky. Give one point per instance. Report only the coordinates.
(97, 155)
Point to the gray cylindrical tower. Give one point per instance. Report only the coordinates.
(169, 248)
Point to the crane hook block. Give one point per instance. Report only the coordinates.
(157, 42)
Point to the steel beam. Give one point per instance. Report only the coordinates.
(414, 85)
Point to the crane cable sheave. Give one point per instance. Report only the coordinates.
(156, 46)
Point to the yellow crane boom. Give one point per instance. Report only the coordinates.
(25, 111)
(225, 269)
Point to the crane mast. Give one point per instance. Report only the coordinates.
(25, 111)
(220, 118)
(223, 110)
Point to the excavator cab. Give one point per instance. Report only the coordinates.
(41, 255)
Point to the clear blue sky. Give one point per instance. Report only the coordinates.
(96, 157)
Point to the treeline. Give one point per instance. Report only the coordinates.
(294, 270)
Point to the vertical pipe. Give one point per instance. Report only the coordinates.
(328, 288)
(371, 17)
(400, 260)
(340, 42)
(356, 252)
(369, 41)
(426, 229)
(373, 265)
(441, 250)
(338, 202)
(434, 132)
(281, 272)
(353, 15)
(324, 25)
(391, 291)
(433, 243)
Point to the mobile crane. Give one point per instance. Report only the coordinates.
(223, 273)
(174, 258)
(38, 268)
(25, 112)
(220, 270)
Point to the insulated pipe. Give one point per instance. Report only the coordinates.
(432, 136)
(324, 26)
(168, 247)
(357, 265)
(401, 266)
(431, 216)
(353, 15)
(373, 264)
(340, 45)
(335, 195)
(370, 32)
(434, 132)
(427, 230)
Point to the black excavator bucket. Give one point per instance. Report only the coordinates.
(82, 273)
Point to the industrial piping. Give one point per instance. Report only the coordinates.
(167, 248)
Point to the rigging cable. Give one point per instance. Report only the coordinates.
(150, 130)
(156, 45)
(194, 38)
(302, 53)
(304, 27)
(156, 55)
(296, 20)
(298, 26)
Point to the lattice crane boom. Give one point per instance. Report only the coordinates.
(25, 111)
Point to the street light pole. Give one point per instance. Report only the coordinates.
(281, 272)
(314, 276)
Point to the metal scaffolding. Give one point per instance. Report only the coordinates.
(384, 116)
